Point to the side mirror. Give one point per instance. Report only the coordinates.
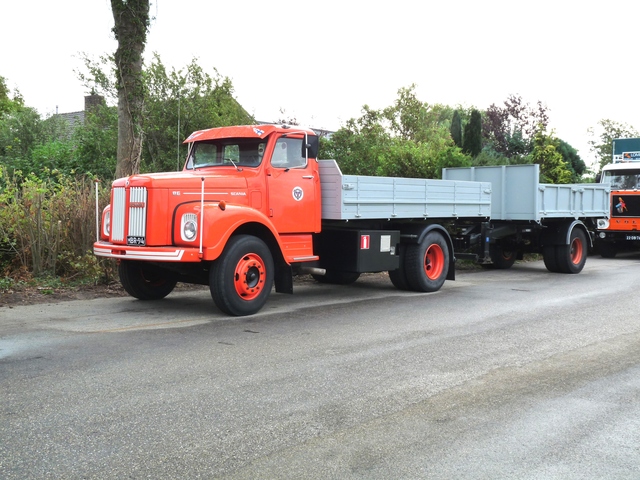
(598, 177)
(310, 148)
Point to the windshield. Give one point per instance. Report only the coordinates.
(622, 179)
(240, 152)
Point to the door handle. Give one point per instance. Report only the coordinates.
(307, 176)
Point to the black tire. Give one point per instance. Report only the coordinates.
(398, 277)
(240, 280)
(335, 277)
(607, 250)
(550, 258)
(427, 263)
(571, 258)
(144, 281)
(501, 258)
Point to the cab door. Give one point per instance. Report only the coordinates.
(293, 188)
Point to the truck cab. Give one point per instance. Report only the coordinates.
(621, 231)
(282, 180)
(244, 207)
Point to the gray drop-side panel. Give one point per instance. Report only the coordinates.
(351, 197)
(518, 194)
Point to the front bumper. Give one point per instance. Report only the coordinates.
(149, 254)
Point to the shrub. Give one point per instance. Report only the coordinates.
(47, 224)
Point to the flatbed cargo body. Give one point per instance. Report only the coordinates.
(518, 195)
(360, 197)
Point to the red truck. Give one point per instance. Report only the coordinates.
(253, 207)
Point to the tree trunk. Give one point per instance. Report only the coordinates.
(131, 19)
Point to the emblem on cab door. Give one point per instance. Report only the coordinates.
(297, 193)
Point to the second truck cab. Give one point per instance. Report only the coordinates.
(622, 230)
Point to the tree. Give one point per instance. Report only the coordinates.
(472, 143)
(602, 145)
(178, 102)
(7, 104)
(553, 168)
(510, 130)
(408, 139)
(131, 19)
(96, 143)
(456, 129)
(574, 163)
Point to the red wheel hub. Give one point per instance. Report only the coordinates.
(434, 261)
(576, 251)
(249, 276)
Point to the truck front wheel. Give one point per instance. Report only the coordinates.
(427, 263)
(607, 250)
(240, 280)
(144, 281)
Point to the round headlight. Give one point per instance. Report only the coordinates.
(106, 229)
(190, 230)
(603, 223)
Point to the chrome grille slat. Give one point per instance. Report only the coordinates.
(137, 215)
(117, 214)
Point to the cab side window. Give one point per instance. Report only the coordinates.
(288, 153)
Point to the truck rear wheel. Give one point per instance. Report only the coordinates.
(398, 276)
(571, 258)
(144, 281)
(399, 279)
(550, 258)
(427, 263)
(240, 280)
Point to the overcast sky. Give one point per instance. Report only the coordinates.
(322, 61)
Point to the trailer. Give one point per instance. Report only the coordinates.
(532, 217)
(253, 207)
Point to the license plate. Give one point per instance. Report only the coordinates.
(633, 237)
(137, 241)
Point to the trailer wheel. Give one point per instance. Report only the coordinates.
(144, 281)
(571, 258)
(549, 256)
(336, 277)
(240, 280)
(501, 258)
(427, 263)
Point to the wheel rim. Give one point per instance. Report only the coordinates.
(433, 261)
(249, 276)
(507, 255)
(576, 251)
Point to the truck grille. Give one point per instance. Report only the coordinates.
(137, 209)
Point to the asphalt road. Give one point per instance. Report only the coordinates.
(516, 374)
